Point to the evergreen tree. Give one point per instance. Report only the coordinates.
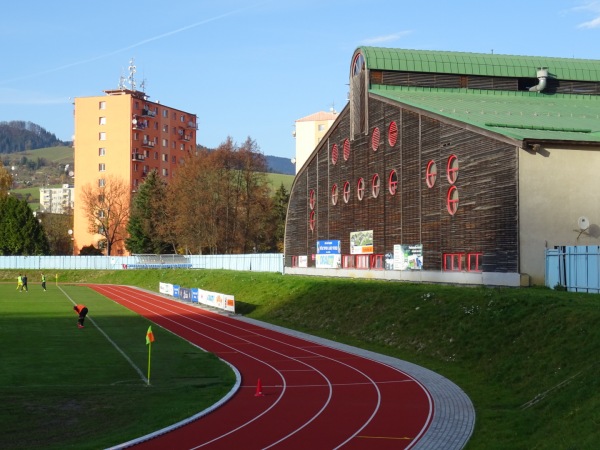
(20, 232)
(278, 215)
(141, 227)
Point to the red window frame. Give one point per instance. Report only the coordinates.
(453, 262)
(392, 134)
(375, 185)
(393, 182)
(334, 194)
(334, 154)
(346, 192)
(362, 261)
(311, 199)
(311, 221)
(294, 261)
(452, 200)
(360, 188)
(377, 262)
(474, 261)
(375, 135)
(452, 169)
(346, 149)
(348, 261)
(431, 174)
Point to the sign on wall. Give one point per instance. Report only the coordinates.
(408, 257)
(328, 254)
(361, 242)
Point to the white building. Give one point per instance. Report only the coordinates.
(309, 132)
(57, 200)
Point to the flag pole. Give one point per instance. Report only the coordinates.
(149, 353)
(149, 341)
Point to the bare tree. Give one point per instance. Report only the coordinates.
(107, 210)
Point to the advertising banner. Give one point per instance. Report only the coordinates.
(361, 242)
(408, 257)
(329, 261)
(329, 247)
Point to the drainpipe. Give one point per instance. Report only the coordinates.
(542, 74)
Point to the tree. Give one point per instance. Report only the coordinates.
(6, 181)
(107, 210)
(20, 232)
(278, 215)
(145, 217)
(56, 229)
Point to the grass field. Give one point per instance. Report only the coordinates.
(528, 358)
(69, 388)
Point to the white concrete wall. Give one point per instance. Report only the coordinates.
(556, 187)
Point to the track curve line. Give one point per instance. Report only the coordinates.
(317, 394)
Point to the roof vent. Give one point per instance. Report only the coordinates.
(542, 74)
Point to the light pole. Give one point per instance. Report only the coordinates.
(70, 241)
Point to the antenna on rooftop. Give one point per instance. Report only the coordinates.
(131, 78)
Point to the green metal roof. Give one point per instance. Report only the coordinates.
(515, 114)
(379, 58)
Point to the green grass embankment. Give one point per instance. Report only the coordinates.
(528, 358)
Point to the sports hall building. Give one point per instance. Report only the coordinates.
(451, 167)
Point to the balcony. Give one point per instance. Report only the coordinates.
(185, 137)
(149, 144)
(192, 125)
(148, 113)
(137, 156)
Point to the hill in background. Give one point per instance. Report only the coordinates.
(18, 136)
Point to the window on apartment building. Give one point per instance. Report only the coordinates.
(102, 136)
(165, 113)
(165, 142)
(102, 105)
(155, 155)
(102, 121)
(182, 118)
(135, 136)
(136, 105)
(156, 125)
(166, 128)
(165, 172)
(102, 151)
(101, 167)
(165, 157)
(181, 146)
(321, 127)
(135, 167)
(173, 146)
(101, 182)
(101, 214)
(174, 159)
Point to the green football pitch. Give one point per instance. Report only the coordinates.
(68, 388)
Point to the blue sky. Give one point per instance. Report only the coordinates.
(251, 68)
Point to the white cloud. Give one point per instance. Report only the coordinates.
(589, 7)
(595, 23)
(17, 97)
(386, 38)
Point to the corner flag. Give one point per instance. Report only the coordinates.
(149, 341)
(149, 336)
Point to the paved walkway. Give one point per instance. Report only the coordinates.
(454, 414)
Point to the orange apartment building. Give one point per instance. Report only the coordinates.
(123, 134)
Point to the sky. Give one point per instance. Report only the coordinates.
(252, 68)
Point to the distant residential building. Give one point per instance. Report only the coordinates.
(57, 200)
(309, 132)
(124, 134)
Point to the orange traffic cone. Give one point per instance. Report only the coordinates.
(259, 392)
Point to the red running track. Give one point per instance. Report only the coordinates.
(314, 396)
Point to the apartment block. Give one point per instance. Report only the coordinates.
(123, 134)
(57, 200)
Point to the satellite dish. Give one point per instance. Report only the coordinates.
(584, 223)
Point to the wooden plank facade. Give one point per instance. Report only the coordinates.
(485, 222)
